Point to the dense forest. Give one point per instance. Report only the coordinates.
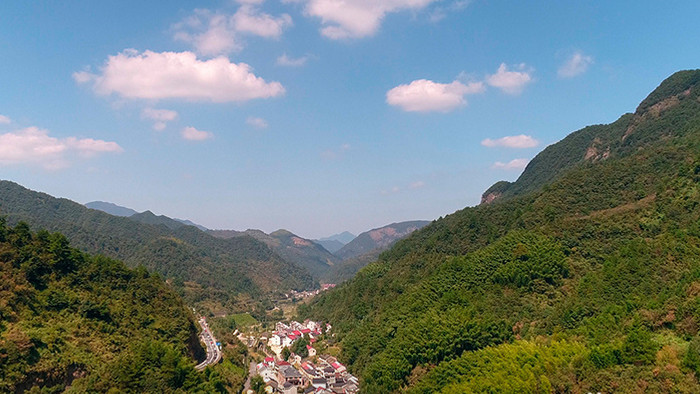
(583, 275)
(210, 273)
(70, 321)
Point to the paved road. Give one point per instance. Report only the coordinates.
(252, 371)
(213, 352)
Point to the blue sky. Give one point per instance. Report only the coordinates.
(317, 116)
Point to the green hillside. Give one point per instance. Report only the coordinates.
(581, 276)
(68, 319)
(292, 248)
(211, 273)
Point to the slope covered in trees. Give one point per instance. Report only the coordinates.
(292, 248)
(212, 273)
(68, 319)
(583, 275)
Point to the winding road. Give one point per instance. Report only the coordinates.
(213, 352)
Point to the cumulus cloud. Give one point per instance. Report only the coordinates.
(417, 185)
(515, 141)
(577, 64)
(511, 82)
(4, 119)
(356, 18)
(515, 164)
(192, 134)
(425, 96)
(177, 75)
(287, 61)
(34, 146)
(214, 33)
(258, 123)
(161, 117)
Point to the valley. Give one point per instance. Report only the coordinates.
(349, 197)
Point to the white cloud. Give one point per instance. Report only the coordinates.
(577, 64)
(34, 146)
(4, 119)
(177, 75)
(259, 123)
(425, 96)
(250, 20)
(417, 185)
(356, 18)
(209, 33)
(287, 61)
(214, 33)
(515, 164)
(192, 134)
(515, 141)
(511, 82)
(160, 116)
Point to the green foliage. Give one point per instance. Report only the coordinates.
(89, 323)
(596, 245)
(299, 347)
(210, 273)
(285, 353)
(692, 356)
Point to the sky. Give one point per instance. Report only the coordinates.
(317, 116)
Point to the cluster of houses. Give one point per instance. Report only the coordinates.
(309, 293)
(285, 335)
(327, 376)
(318, 374)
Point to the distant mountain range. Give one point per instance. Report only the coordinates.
(330, 259)
(303, 252)
(335, 242)
(366, 248)
(210, 272)
(147, 216)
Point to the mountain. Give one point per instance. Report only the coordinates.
(581, 276)
(344, 237)
(145, 217)
(292, 248)
(110, 208)
(89, 323)
(211, 273)
(331, 245)
(378, 238)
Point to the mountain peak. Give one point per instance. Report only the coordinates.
(680, 83)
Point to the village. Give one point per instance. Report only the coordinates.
(292, 364)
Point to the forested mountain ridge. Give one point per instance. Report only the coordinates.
(583, 276)
(600, 142)
(210, 272)
(366, 247)
(89, 324)
(294, 249)
(379, 238)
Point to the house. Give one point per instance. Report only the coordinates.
(276, 339)
(288, 388)
(289, 374)
(312, 351)
(308, 370)
(294, 359)
(319, 383)
(339, 368)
